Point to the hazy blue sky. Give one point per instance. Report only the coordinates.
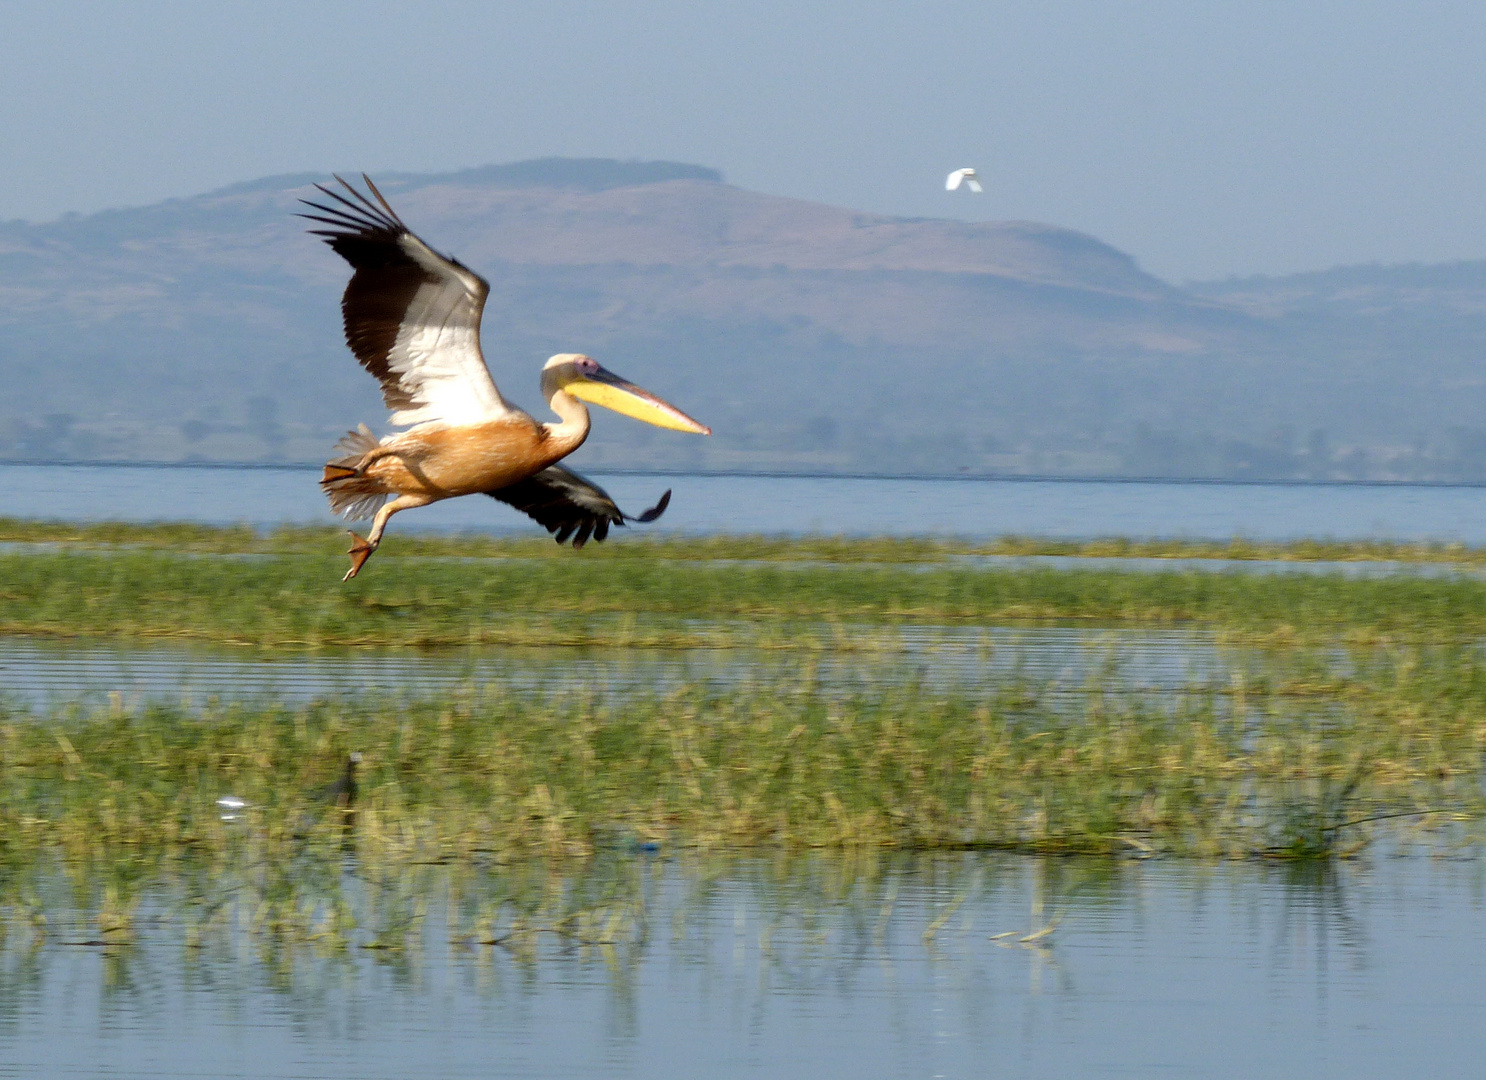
(1204, 138)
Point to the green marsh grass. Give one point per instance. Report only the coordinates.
(1367, 719)
(535, 817)
(327, 540)
(786, 765)
(282, 599)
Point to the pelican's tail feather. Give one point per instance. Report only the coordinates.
(352, 493)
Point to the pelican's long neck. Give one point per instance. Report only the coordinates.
(568, 434)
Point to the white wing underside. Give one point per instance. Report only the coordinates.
(436, 355)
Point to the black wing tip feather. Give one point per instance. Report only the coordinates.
(391, 213)
(383, 213)
(571, 507)
(655, 511)
(362, 218)
(596, 525)
(356, 226)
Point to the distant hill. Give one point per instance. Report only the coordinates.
(808, 336)
(1389, 363)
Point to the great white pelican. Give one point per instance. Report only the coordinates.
(413, 320)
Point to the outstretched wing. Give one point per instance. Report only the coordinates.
(567, 504)
(412, 315)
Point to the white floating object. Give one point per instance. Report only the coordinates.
(231, 806)
(971, 181)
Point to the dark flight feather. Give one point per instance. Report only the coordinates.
(569, 505)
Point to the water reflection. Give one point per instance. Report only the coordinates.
(634, 965)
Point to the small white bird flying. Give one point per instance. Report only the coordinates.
(952, 181)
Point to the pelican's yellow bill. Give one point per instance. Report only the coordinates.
(629, 399)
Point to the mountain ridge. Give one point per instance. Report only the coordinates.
(207, 328)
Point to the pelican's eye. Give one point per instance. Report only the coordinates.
(587, 365)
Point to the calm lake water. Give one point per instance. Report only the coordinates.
(1369, 969)
(727, 504)
(44, 672)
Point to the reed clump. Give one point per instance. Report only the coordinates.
(789, 765)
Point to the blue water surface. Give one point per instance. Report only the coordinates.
(800, 505)
(1352, 971)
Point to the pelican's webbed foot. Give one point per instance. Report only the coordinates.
(360, 550)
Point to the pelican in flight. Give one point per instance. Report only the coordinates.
(971, 180)
(413, 320)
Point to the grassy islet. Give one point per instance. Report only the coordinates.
(570, 598)
(1219, 771)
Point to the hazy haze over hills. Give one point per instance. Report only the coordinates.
(809, 337)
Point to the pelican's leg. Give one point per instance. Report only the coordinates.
(361, 550)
